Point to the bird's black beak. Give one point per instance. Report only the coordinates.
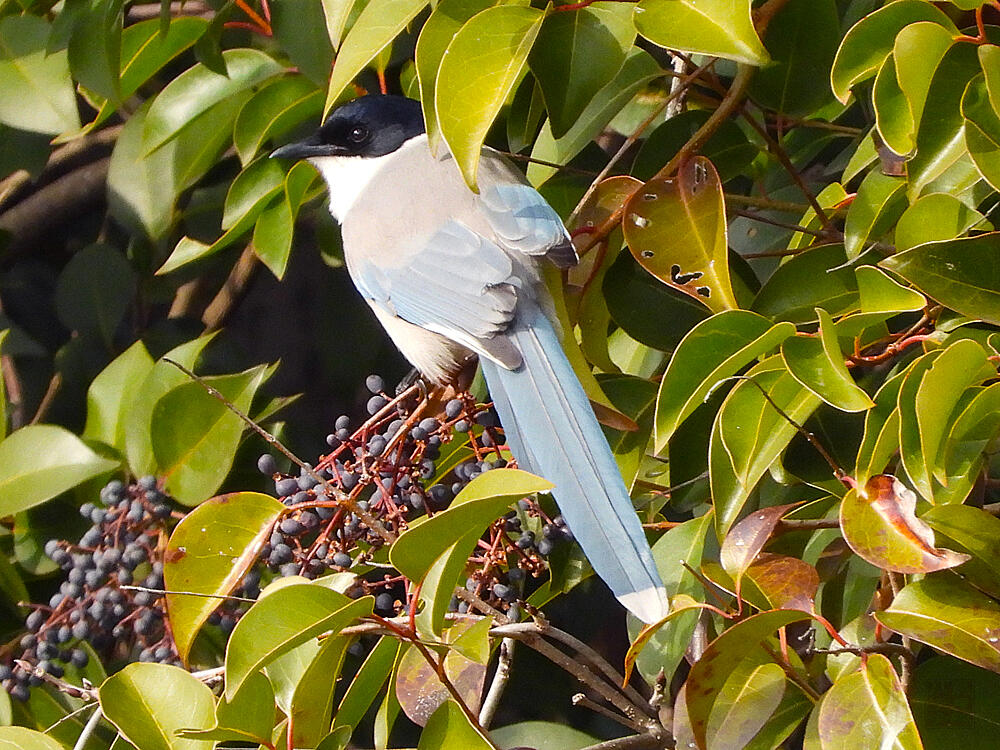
(311, 146)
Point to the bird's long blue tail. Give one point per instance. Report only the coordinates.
(552, 431)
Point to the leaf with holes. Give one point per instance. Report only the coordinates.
(676, 229)
(880, 525)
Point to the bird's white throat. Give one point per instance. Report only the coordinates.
(347, 176)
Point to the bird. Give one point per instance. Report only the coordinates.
(452, 275)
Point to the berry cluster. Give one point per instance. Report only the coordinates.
(122, 547)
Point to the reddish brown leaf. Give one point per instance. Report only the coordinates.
(880, 525)
(786, 582)
(747, 538)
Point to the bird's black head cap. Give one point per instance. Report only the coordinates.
(366, 127)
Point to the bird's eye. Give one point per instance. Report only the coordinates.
(358, 134)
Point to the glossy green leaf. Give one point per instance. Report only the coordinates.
(194, 435)
(523, 733)
(713, 350)
(727, 147)
(148, 703)
(879, 293)
(870, 40)
(139, 415)
(676, 230)
(974, 532)
(95, 48)
(94, 291)
(665, 649)
(957, 273)
(20, 738)
(300, 28)
(478, 71)
(248, 718)
(283, 104)
(635, 398)
(933, 217)
(40, 461)
(111, 394)
(749, 434)
(982, 129)
(38, 93)
(721, 28)
(880, 201)
(950, 699)
(312, 702)
(881, 435)
(949, 615)
(449, 728)
(209, 552)
(576, 55)
(939, 133)
(811, 279)
(738, 643)
(818, 363)
(638, 69)
(440, 28)
(802, 39)
(444, 573)
(893, 116)
(480, 503)
(377, 25)
(868, 708)
(366, 684)
(910, 443)
(974, 425)
(989, 57)
(335, 16)
(745, 702)
(198, 89)
(282, 620)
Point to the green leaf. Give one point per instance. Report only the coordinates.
(880, 201)
(38, 92)
(975, 532)
(576, 55)
(881, 436)
(712, 351)
(313, 698)
(818, 363)
(557, 736)
(450, 728)
(478, 71)
(41, 461)
(964, 709)
(933, 217)
(479, 503)
(868, 708)
(709, 674)
(300, 28)
(139, 415)
(893, 116)
(870, 40)
(959, 274)
(282, 620)
(982, 129)
(949, 615)
(4, 423)
(111, 394)
(335, 15)
(440, 28)
(749, 434)
(972, 429)
(880, 294)
(19, 738)
(148, 703)
(638, 69)
(721, 28)
(810, 279)
(209, 552)
(198, 89)
(665, 649)
(281, 105)
(272, 236)
(194, 435)
(369, 680)
(802, 39)
(95, 48)
(94, 291)
(676, 229)
(248, 718)
(939, 134)
(750, 695)
(378, 24)
(727, 148)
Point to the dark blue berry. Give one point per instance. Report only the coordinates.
(267, 465)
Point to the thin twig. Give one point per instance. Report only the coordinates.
(636, 742)
(55, 383)
(583, 701)
(188, 593)
(88, 729)
(500, 678)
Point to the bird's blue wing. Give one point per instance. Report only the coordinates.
(524, 222)
(458, 284)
